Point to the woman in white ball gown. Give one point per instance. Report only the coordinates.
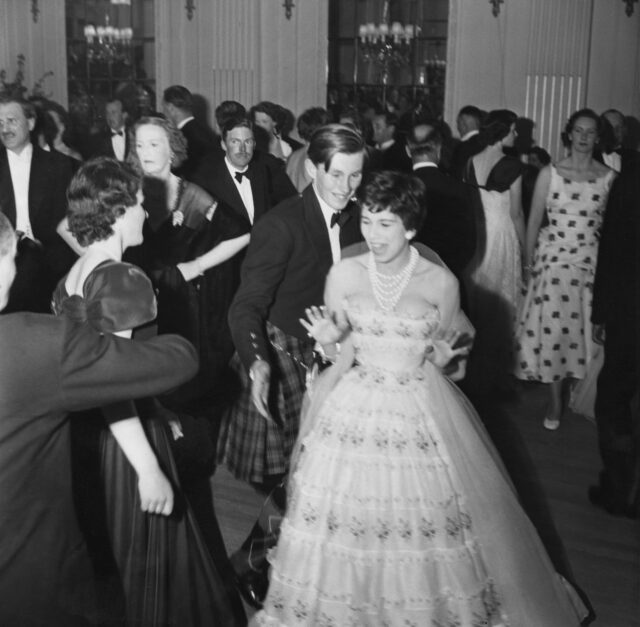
(400, 511)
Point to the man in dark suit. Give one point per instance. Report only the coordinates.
(611, 148)
(292, 248)
(615, 315)
(177, 105)
(469, 121)
(114, 140)
(48, 367)
(391, 152)
(33, 184)
(450, 225)
(248, 182)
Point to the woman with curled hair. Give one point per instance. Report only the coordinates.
(421, 525)
(554, 341)
(495, 276)
(165, 570)
(271, 118)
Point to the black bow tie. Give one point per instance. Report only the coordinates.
(339, 217)
(118, 133)
(238, 176)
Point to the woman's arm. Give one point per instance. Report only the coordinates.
(538, 206)
(214, 257)
(517, 215)
(63, 231)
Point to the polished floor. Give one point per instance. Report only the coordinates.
(552, 471)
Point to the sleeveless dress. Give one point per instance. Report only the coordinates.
(166, 572)
(401, 513)
(554, 328)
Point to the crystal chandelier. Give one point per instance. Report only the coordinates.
(108, 43)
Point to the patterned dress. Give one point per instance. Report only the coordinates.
(554, 329)
(400, 512)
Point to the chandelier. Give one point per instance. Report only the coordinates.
(386, 45)
(108, 43)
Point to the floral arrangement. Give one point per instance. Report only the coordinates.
(17, 88)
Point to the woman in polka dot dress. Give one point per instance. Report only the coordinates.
(553, 335)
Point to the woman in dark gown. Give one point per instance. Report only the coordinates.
(167, 574)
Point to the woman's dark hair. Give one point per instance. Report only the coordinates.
(99, 193)
(581, 113)
(397, 192)
(497, 125)
(310, 120)
(177, 142)
(268, 108)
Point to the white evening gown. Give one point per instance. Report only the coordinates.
(400, 512)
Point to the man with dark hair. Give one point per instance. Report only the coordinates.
(33, 185)
(177, 105)
(611, 150)
(227, 110)
(114, 140)
(469, 121)
(48, 367)
(450, 225)
(247, 182)
(292, 248)
(391, 153)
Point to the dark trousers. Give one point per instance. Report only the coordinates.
(617, 386)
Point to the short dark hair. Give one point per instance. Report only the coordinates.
(179, 96)
(235, 122)
(229, 109)
(471, 111)
(7, 236)
(177, 141)
(100, 191)
(428, 144)
(328, 140)
(390, 118)
(543, 156)
(581, 113)
(497, 125)
(28, 107)
(400, 193)
(310, 120)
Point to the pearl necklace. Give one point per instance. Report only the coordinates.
(387, 289)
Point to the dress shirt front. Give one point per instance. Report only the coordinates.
(118, 143)
(183, 122)
(244, 188)
(20, 168)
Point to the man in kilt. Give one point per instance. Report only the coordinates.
(292, 248)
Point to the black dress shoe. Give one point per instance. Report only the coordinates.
(597, 498)
(253, 587)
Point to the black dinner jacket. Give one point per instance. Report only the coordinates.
(284, 272)
(462, 152)
(269, 183)
(201, 140)
(101, 145)
(450, 225)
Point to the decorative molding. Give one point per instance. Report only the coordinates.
(35, 11)
(190, 7)
(288, 8)
(629, 6)
(495, 4)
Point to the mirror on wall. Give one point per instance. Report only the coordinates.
(110, 53)
(388, 53)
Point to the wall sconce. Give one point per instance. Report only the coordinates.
(629, 8)
(190, 7)
(35, 11)
(288, 8)
(495, 4)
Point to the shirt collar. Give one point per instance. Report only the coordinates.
(23, 157)
(424, 164)
(232, 168)
(468, 135)
(327, 211)
(387, 144)
(183, 122)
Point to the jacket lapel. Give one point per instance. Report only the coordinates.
(37, 185)
(7, 199)
(316, 229)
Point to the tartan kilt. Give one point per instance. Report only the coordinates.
(250, 446)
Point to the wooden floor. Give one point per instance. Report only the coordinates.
(552, 471)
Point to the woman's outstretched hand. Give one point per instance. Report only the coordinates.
(321, 326)
(451, 345)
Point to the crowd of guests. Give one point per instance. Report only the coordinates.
(437, 252)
